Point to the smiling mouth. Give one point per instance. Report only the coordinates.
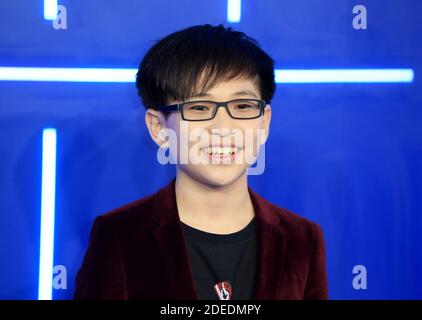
(221, 151)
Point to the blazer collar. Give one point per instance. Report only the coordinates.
(169, 236)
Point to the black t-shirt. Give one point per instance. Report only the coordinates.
(223, 257)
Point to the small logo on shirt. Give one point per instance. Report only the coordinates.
(223, 290)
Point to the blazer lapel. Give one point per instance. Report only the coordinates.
(271, 249)
(178, 277)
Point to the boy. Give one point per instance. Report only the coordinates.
(206, 235)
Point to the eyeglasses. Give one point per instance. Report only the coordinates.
(206, 110)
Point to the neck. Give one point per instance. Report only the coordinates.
(217, 209)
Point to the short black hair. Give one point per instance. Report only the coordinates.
(172, 67)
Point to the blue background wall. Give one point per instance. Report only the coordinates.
(347, 156)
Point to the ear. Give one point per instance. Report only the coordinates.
(267, 121)
(155, 122)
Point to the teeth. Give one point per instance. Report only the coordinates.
(221, 151)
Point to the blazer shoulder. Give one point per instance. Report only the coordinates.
(295, 225)
(129, 214)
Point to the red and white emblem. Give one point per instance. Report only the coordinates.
(224, 290)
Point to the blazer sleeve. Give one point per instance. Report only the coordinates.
(317, 286)
(101, 275)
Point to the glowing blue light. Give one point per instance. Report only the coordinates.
(344, 76)
(281, 76)
(50, 9)
(48, 193)
(67, 74)
(234, 9)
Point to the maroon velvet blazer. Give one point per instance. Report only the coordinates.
(138, 251)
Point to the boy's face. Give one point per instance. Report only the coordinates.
(194, 150)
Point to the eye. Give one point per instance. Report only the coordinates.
(198, 107)
(244, 106)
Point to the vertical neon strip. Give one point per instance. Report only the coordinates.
(50, 9)
(234, 9)
(48, 192)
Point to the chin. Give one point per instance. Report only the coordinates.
(220, 176)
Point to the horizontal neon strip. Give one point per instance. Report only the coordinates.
(344, 76)
(50, 9)
(281, 76)
(67, 74)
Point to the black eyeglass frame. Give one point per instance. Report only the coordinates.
(179, 107)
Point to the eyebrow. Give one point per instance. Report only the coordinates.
(237, 93)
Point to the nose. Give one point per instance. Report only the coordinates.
(222, 119)
(221, 127)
